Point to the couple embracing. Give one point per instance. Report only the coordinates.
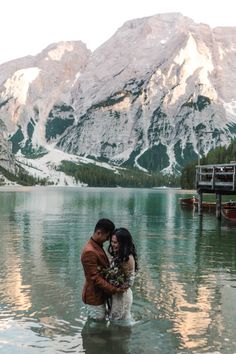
(107, 285)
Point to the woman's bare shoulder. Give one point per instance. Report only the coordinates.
(129, 265)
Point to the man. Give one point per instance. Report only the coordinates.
(96, 289)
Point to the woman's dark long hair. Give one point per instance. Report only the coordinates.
(126, 246)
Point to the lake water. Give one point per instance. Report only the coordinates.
(184, 293)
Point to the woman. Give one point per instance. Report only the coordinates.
(124, 258)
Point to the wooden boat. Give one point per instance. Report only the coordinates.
(211, 206)
(188, 201)
(229, 213)
(206, 205)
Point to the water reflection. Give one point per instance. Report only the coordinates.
(104, 337)
(184, 293)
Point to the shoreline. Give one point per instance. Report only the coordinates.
(13, 188)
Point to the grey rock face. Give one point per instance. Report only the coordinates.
(152, 93)
(7, 160)
(156, 95)
(32, 88)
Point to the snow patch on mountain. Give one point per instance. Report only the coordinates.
(18, 85)
(47, 166)
(192, 58)
(123, 156)
(163, 41)
(58, 52)
(136, 164)
(230, 107)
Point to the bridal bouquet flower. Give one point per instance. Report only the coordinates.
(115, 276)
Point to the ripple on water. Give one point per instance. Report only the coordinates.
(184, 292)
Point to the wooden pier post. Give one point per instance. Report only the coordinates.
(199, 203)
(218, 205)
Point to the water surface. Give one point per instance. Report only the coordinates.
(184, 293)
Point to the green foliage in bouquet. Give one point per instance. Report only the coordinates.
(115, 276)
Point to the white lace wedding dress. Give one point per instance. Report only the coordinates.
(122, 303)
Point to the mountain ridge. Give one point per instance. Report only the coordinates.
(148, 97)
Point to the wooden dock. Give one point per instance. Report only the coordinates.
(219, 179)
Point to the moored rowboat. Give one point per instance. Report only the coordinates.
(229, 213)
(212, 205)
(206, 205)
(188, 201)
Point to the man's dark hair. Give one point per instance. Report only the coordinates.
(105, 225)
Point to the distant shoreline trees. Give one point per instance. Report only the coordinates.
(97, 176)
(23, 178)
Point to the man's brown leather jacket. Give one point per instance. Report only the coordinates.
(96, 288)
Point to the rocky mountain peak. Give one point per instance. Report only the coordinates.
(35, 86)
(162, 77)
(148, 97)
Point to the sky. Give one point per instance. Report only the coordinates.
(29, 26)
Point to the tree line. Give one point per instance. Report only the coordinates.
(23, 177)
(97, 176)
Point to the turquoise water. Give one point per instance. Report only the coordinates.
(184, 293)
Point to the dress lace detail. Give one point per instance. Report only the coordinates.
(122, 302)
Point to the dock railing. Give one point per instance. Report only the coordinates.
(213, 178)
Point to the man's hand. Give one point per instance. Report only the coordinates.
(121, 290)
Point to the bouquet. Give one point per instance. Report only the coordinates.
(115, 276)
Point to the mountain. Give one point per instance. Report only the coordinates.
(35, 94)
(7, 160)
(159, 92)
(152, 91)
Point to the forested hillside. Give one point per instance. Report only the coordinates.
(95, 176)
